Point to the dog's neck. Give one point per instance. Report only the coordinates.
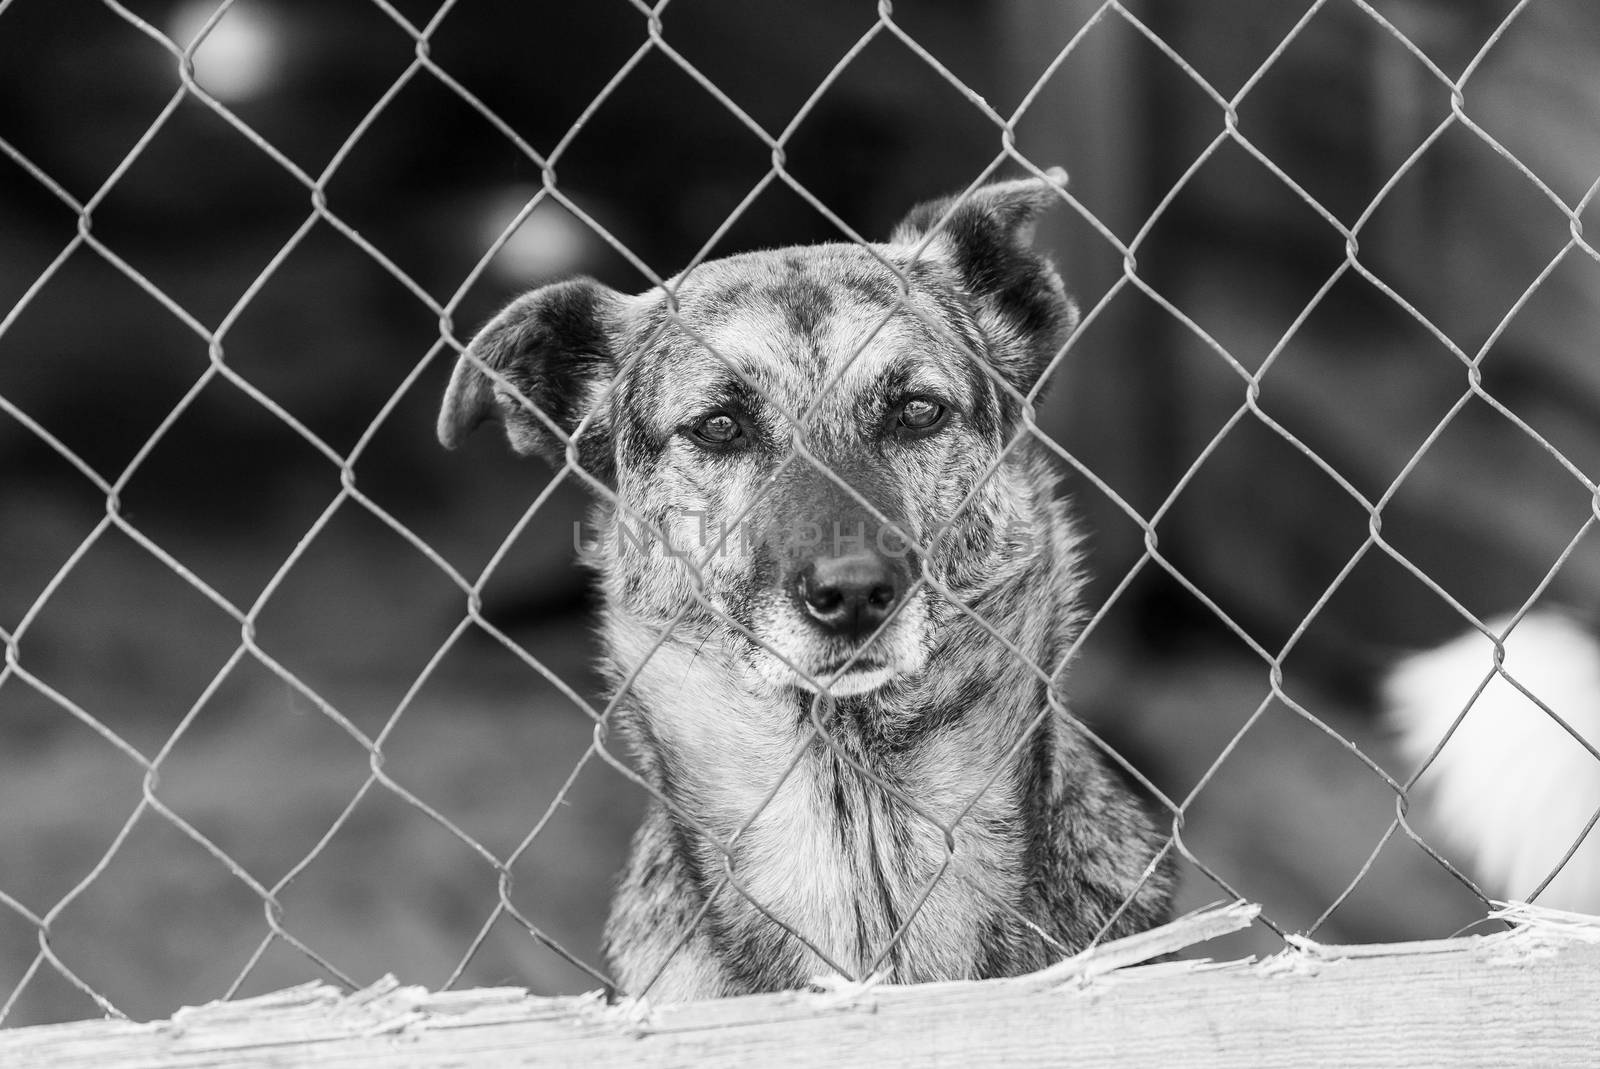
(836, 816)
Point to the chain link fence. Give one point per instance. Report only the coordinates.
(346, 795)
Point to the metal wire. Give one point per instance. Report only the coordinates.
(448, 343)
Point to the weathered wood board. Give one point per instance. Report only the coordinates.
(1527, 996)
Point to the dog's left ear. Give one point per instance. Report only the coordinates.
(987, 237)
(552, 354)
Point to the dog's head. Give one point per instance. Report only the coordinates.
(811, 440)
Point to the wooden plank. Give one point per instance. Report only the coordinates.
(1528, 996)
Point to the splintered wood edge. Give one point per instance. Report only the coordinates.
(1527, 995)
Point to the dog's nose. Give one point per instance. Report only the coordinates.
(849, 595)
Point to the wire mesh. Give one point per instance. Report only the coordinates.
(44, 919)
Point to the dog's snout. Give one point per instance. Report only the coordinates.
(849, 595)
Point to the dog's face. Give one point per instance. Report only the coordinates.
(806, 445)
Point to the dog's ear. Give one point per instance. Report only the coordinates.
(552, 345)
(987, 238)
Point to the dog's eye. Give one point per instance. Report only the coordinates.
(920, 415)
(718, 429)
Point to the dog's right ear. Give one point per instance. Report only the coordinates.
(554, 347)
(987, 239)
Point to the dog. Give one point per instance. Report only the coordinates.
(837, 587)
(1512, 791)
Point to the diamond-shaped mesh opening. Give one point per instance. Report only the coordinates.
(100, 67)
(1257, 278)
(1391, 102)
(711, 42)
(1295, 573)
(112, 605)
(301, 350)
(1556, 511)
(200, 236)
(1545, 333)
(1436, 224)
(309, 613)
(429, 222)
(66, 808)
(107, 426)
(211, 937)
(1294, 885)
(47, 993)
(1360, 383)
(556, 870)
(1532, 101)
(387, 844)
(45, 515)
(288, 693)
(555, 735)
(269, 62)
(233, 797)
(504, 80)
(1379, 605)
(522, 579)
(227, 468)
(1402, 869)
(839, 145)
(1257, 41)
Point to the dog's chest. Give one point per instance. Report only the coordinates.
(840, 860)
(866, 879)
(821, 850)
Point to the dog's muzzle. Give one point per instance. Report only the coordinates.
(847, 601)
(849, 596)
(843, 582)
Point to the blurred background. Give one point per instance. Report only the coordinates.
(198, 228)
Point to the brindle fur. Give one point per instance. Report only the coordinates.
(948, 718)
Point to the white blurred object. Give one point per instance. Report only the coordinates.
(549, 243)
(241, 56)
(1512, 790)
